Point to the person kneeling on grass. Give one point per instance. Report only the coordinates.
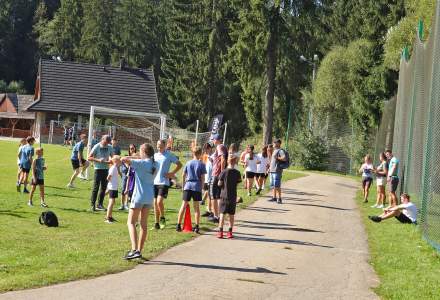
(192, 177)
(112, 187)
(228, 181)
(406, 212)
(143, 195)
(38, 168)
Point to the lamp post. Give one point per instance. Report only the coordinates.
(314, 63)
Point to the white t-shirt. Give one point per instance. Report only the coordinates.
(113, 183)
(251, 164)
(264, 161)
(410, 210)
(19, 150)
(367, 170)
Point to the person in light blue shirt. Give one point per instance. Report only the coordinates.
(100, 155)
(393, 176)
(162, 181)
(142, 200)
(193, 177)
(79, 164)
(26, 158)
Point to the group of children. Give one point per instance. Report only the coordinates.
(26, 165)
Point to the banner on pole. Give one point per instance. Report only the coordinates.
(215, 125)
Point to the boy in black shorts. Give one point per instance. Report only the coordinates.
(38, 168)
(193, 175)
(228, 181)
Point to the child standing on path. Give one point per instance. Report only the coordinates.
(192, 177)
(26, 157)
(228, 181)
(250, 161)
(143, 195)
(112, 187)
(38, 168)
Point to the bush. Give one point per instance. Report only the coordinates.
(311, 151)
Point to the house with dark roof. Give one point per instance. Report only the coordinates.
(15, 121)
(67, 90)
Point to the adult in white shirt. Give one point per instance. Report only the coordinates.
(262, 169)
(406, 212)
(250, 161)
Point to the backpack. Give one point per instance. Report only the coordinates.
(48, 218)
(286, 163)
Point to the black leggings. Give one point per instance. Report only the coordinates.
(99, 180)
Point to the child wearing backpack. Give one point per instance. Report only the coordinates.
(112, 187)
(278, 162)
(38, 168)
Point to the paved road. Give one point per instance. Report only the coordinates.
(311, 247)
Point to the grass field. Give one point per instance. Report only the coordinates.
(408, 267)
(83, 246)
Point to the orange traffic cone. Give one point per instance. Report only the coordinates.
(187, 224)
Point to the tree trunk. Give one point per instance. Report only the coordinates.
(271, 68)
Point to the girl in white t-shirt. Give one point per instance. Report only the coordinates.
(112, 187)
(367, 170)
(251, 162)
(381, 181)
(262, 168)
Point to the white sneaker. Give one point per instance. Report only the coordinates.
(374, 206)
(380, 206)
(82, 177)
(70, 186)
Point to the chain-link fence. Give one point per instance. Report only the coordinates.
(416, 140)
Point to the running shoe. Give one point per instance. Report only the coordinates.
(25, 191)
(155, 227)
(211, 218)
(122, 207)
(44, 205)
(196, 229)
(18, 188)
(272, 200)
(279, 201)
(203, 202)
(82, 177)
(380, 206)
(30, 203)
(110, 220)
(216, 220)
(258, 192)
(220, 234)
(240, 200)
(162, 223)
(206, 214)
(178, 228)
(229, 235)
(70, 186)
(249, 194)
(100, 208)
(92, 209)
(132, 254)
(376, 219)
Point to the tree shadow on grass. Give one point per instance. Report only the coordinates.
(13, 214)
(214, 267)
(61, 196)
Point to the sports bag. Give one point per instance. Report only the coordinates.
(48, 218)
(284, 164)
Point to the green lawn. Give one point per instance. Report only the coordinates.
(83, 246)
(408, 267)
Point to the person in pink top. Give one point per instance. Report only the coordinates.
(219, 161)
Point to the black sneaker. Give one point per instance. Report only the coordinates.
(18, 188)
(203, 202)
(216, 220)
(206, 214)
(272, 200)
(258, 192)
(155, 227)
(279, 201)
(122, 207)
(178, 228)
(132, 254)
(100, 208)
(196, 229)
(376, 219)
(25, 191)
(211, 218)
(92, 209)
(110, 220)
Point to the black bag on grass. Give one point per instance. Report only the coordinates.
(49, 219)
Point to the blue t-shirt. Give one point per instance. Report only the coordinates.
(144, 180)
(194, 170)
(164, 160)
(78, 148)
(99, 151)
(39, 168)
(26, 153)
(393, 162)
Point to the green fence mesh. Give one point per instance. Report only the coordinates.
(416, 140)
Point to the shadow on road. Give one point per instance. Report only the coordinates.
(278, 228)
(296, 192)
(266, 209)
(213, 267)
(277, 241)
(315, 205)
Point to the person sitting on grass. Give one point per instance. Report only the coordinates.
(112, 187)
(366, 169)
(26, 157)
(192, 178)
(228, 181)
(79, 164)
(406, 212)
(38, 168)
(145, 171)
